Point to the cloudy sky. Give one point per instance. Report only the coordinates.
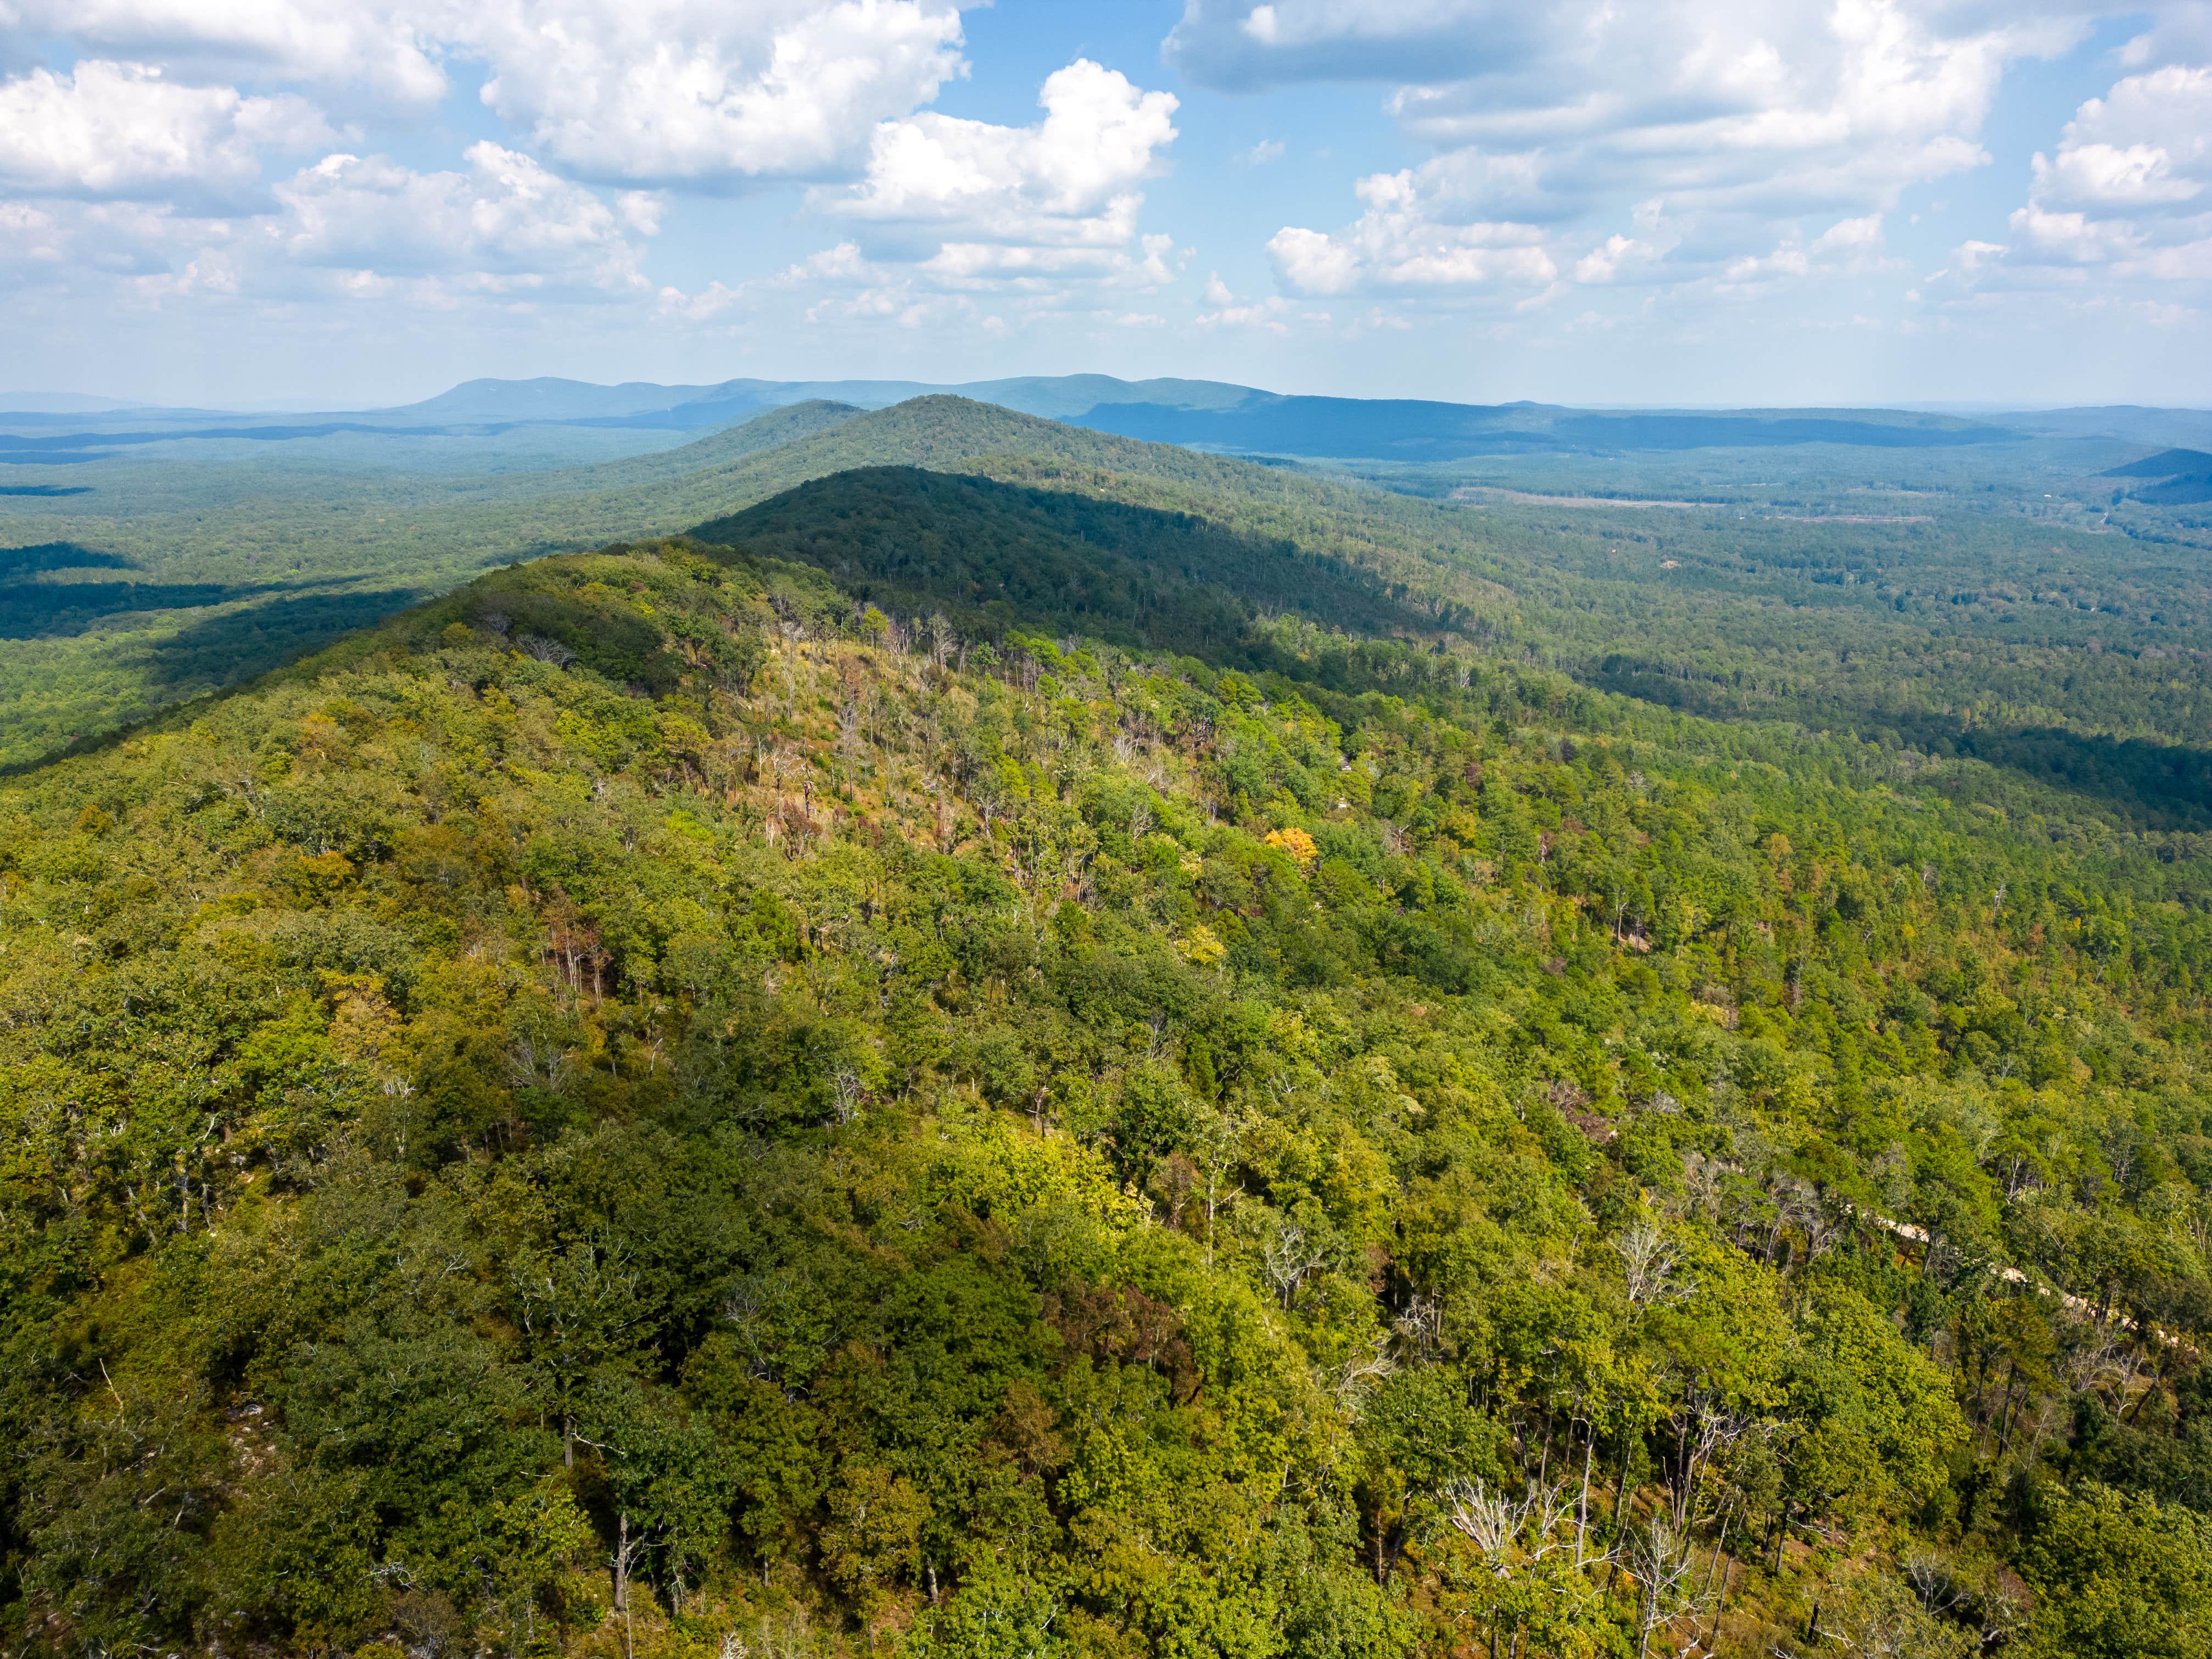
(1678, 201)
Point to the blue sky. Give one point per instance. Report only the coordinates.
(348, 202)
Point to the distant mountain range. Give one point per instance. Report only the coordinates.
(1207, 415)
(1059, 398)
(1385, 429)
(1215, 416)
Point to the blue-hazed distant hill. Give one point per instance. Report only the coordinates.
(1233, 419)
(1405, 429)
(2181, 478)
(1208, 415)
(689, 408)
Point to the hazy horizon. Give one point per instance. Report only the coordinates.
(30, 400)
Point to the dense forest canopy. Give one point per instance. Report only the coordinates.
(943, 1068)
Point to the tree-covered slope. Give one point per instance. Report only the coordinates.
(997, 555)
(293, 561)
(2070, 659)
(957, 435)
(657, 1106)
(788, 424)
(156, 583)
(2074, 659)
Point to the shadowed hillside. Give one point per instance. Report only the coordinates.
(997, 555)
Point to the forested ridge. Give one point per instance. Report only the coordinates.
(939, 1070)
(1942, 607)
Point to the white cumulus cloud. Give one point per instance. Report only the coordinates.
(1851, 237)
(974, 202)
(383, 48)
(122, 131)
(183, 108)
(505, 225)
(2144, 147)
(2128, 190)
(1833, 101)
(1417, 233)
(709, 92)
(1756, 122)
(706, 93)
(1069, 179)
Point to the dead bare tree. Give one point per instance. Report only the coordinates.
(1651, 1263)
(1362, 1372)
(1660, 1558)
(1702, 1428)
(1509, 1532)
(626, 1551)
(846, 1095)
(1286, 1257)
